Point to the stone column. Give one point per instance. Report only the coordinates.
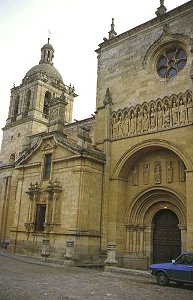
(189, 193)
(134, 248)
(45, 248)
(29, 216)
(183, 230)
(69, 249)
(128, 238)
(47, 209)
(53, 208)
(135, 239)
(111, 252)
(5, 207)
(141, 240)
(148, 240)
(69, 252)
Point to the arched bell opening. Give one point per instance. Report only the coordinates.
(47, 99)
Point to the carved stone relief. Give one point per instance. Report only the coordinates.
(152, 118)
(174, 113)
(166, 115)
(132, 123)
(169, 171)
(146, 168)
(182, 173)
(157, 172)
(114, 127)
(157, 115)
(145, 120)
(125, 124)
(120, 128)
(139, 121)
(189, 108)
(182, 112)
(135, 175)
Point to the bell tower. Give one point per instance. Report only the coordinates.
(29, 105)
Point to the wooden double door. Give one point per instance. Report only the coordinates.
(166, 236)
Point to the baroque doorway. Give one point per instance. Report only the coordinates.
(166, 236)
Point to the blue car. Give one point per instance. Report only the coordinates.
(179, 270)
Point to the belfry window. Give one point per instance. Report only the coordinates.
(40, 217)
(47, 166)
(16, 108)
(171, 61)
(46, 104)
(27, 104)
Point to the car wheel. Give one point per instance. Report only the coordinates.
(162, 279)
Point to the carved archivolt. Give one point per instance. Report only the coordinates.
(141, 212)
(174, 111)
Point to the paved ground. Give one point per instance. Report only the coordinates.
(25, 280)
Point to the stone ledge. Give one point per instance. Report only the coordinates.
(126, 271)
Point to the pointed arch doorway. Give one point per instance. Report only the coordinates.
(166, 236)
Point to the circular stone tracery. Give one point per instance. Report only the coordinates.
(171, 61)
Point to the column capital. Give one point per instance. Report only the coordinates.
(182, 227)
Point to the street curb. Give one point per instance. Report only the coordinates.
(32, 261)
(108, 269)
(127, 271)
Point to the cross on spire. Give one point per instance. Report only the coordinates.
(49, 34)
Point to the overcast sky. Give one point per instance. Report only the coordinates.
(77, 27)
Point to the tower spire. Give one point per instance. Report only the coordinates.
(112, 32)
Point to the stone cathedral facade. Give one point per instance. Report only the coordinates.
(124, 175)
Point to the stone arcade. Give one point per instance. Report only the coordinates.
(123, 177)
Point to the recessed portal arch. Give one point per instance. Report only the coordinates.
(132, 154)
(144, 231)
(139, 195)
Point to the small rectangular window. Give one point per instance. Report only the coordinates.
(40, 217)
(47, 166)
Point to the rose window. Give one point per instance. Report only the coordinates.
(171, 62)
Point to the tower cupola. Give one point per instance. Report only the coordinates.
(47, 53)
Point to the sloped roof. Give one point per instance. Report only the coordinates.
(67, 143)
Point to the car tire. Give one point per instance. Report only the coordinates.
(162, 279)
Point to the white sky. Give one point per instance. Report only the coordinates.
(77, 27)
